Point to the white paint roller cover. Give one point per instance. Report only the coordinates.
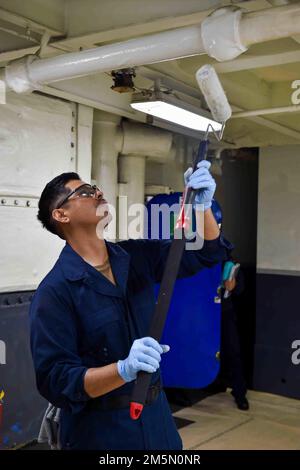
(213, 92)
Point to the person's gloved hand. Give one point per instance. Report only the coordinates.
(228, 265)
(202, 181)
(144, 355)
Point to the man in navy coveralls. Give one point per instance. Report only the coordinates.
(90, 317)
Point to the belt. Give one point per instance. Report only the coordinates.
(116, 402)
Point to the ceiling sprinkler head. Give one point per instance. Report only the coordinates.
(123, 80)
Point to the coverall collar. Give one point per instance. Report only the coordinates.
(75, 268)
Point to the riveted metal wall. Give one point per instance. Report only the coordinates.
(37, 142)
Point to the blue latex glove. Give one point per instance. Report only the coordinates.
(144, 355)
(202, 181)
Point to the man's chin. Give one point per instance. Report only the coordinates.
(102, 210)
(103, 223)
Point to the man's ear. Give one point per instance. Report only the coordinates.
(60, 216)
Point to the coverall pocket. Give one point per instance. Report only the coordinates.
(106, 336)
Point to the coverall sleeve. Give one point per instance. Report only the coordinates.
(212, 252)
(53, 339)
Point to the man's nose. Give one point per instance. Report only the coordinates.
(99, 193)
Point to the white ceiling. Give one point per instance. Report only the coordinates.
(258, 79)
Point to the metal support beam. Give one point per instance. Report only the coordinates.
(247, 63)
(28, 24)
(148, 27)
(260, 112)
(271, 125)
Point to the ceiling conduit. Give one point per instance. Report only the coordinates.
(224, 35)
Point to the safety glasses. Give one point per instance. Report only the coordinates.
(84, 191)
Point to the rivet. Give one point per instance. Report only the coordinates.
(16, 202)
(3, 201)
(27, 203)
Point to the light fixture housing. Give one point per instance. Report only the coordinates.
(169, 108)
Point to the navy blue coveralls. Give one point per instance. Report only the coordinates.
(231, 371)
(79, 319)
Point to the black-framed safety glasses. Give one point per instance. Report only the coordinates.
(83, 191)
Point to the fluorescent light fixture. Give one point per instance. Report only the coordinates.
(169, 108)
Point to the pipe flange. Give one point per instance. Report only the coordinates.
(17, 75)
(220, 33)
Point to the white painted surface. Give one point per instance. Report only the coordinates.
(84, 16)
(32, 72)
(27, 251)
(132, 176)
(47, 13)
(278, 244)
(84, 142)
(105, 158)
(35, 146)
(35, 142)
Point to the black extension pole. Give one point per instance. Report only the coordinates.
(143, 379)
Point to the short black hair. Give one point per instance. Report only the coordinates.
(52, 193)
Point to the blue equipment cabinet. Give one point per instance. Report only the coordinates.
(193, 324)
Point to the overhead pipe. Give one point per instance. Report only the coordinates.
(260, 112)
(30, 73)
(105, 157)
(133, 143)
(132, 177)
(224, 35)
(270, 24)
(142, 139)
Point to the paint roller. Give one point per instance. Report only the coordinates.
(214, 95)
(216, 100)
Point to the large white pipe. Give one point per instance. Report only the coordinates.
(30, 74)
(105, 157)
(133, 142)
(260, 112)
(268, 25)
(139, 143)
(224, 35)
(132, 176)
(141, 139)
(132, 172)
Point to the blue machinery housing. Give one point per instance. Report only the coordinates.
(193, 323)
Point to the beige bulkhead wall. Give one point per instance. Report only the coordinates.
(278, 242)
(40, 137)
